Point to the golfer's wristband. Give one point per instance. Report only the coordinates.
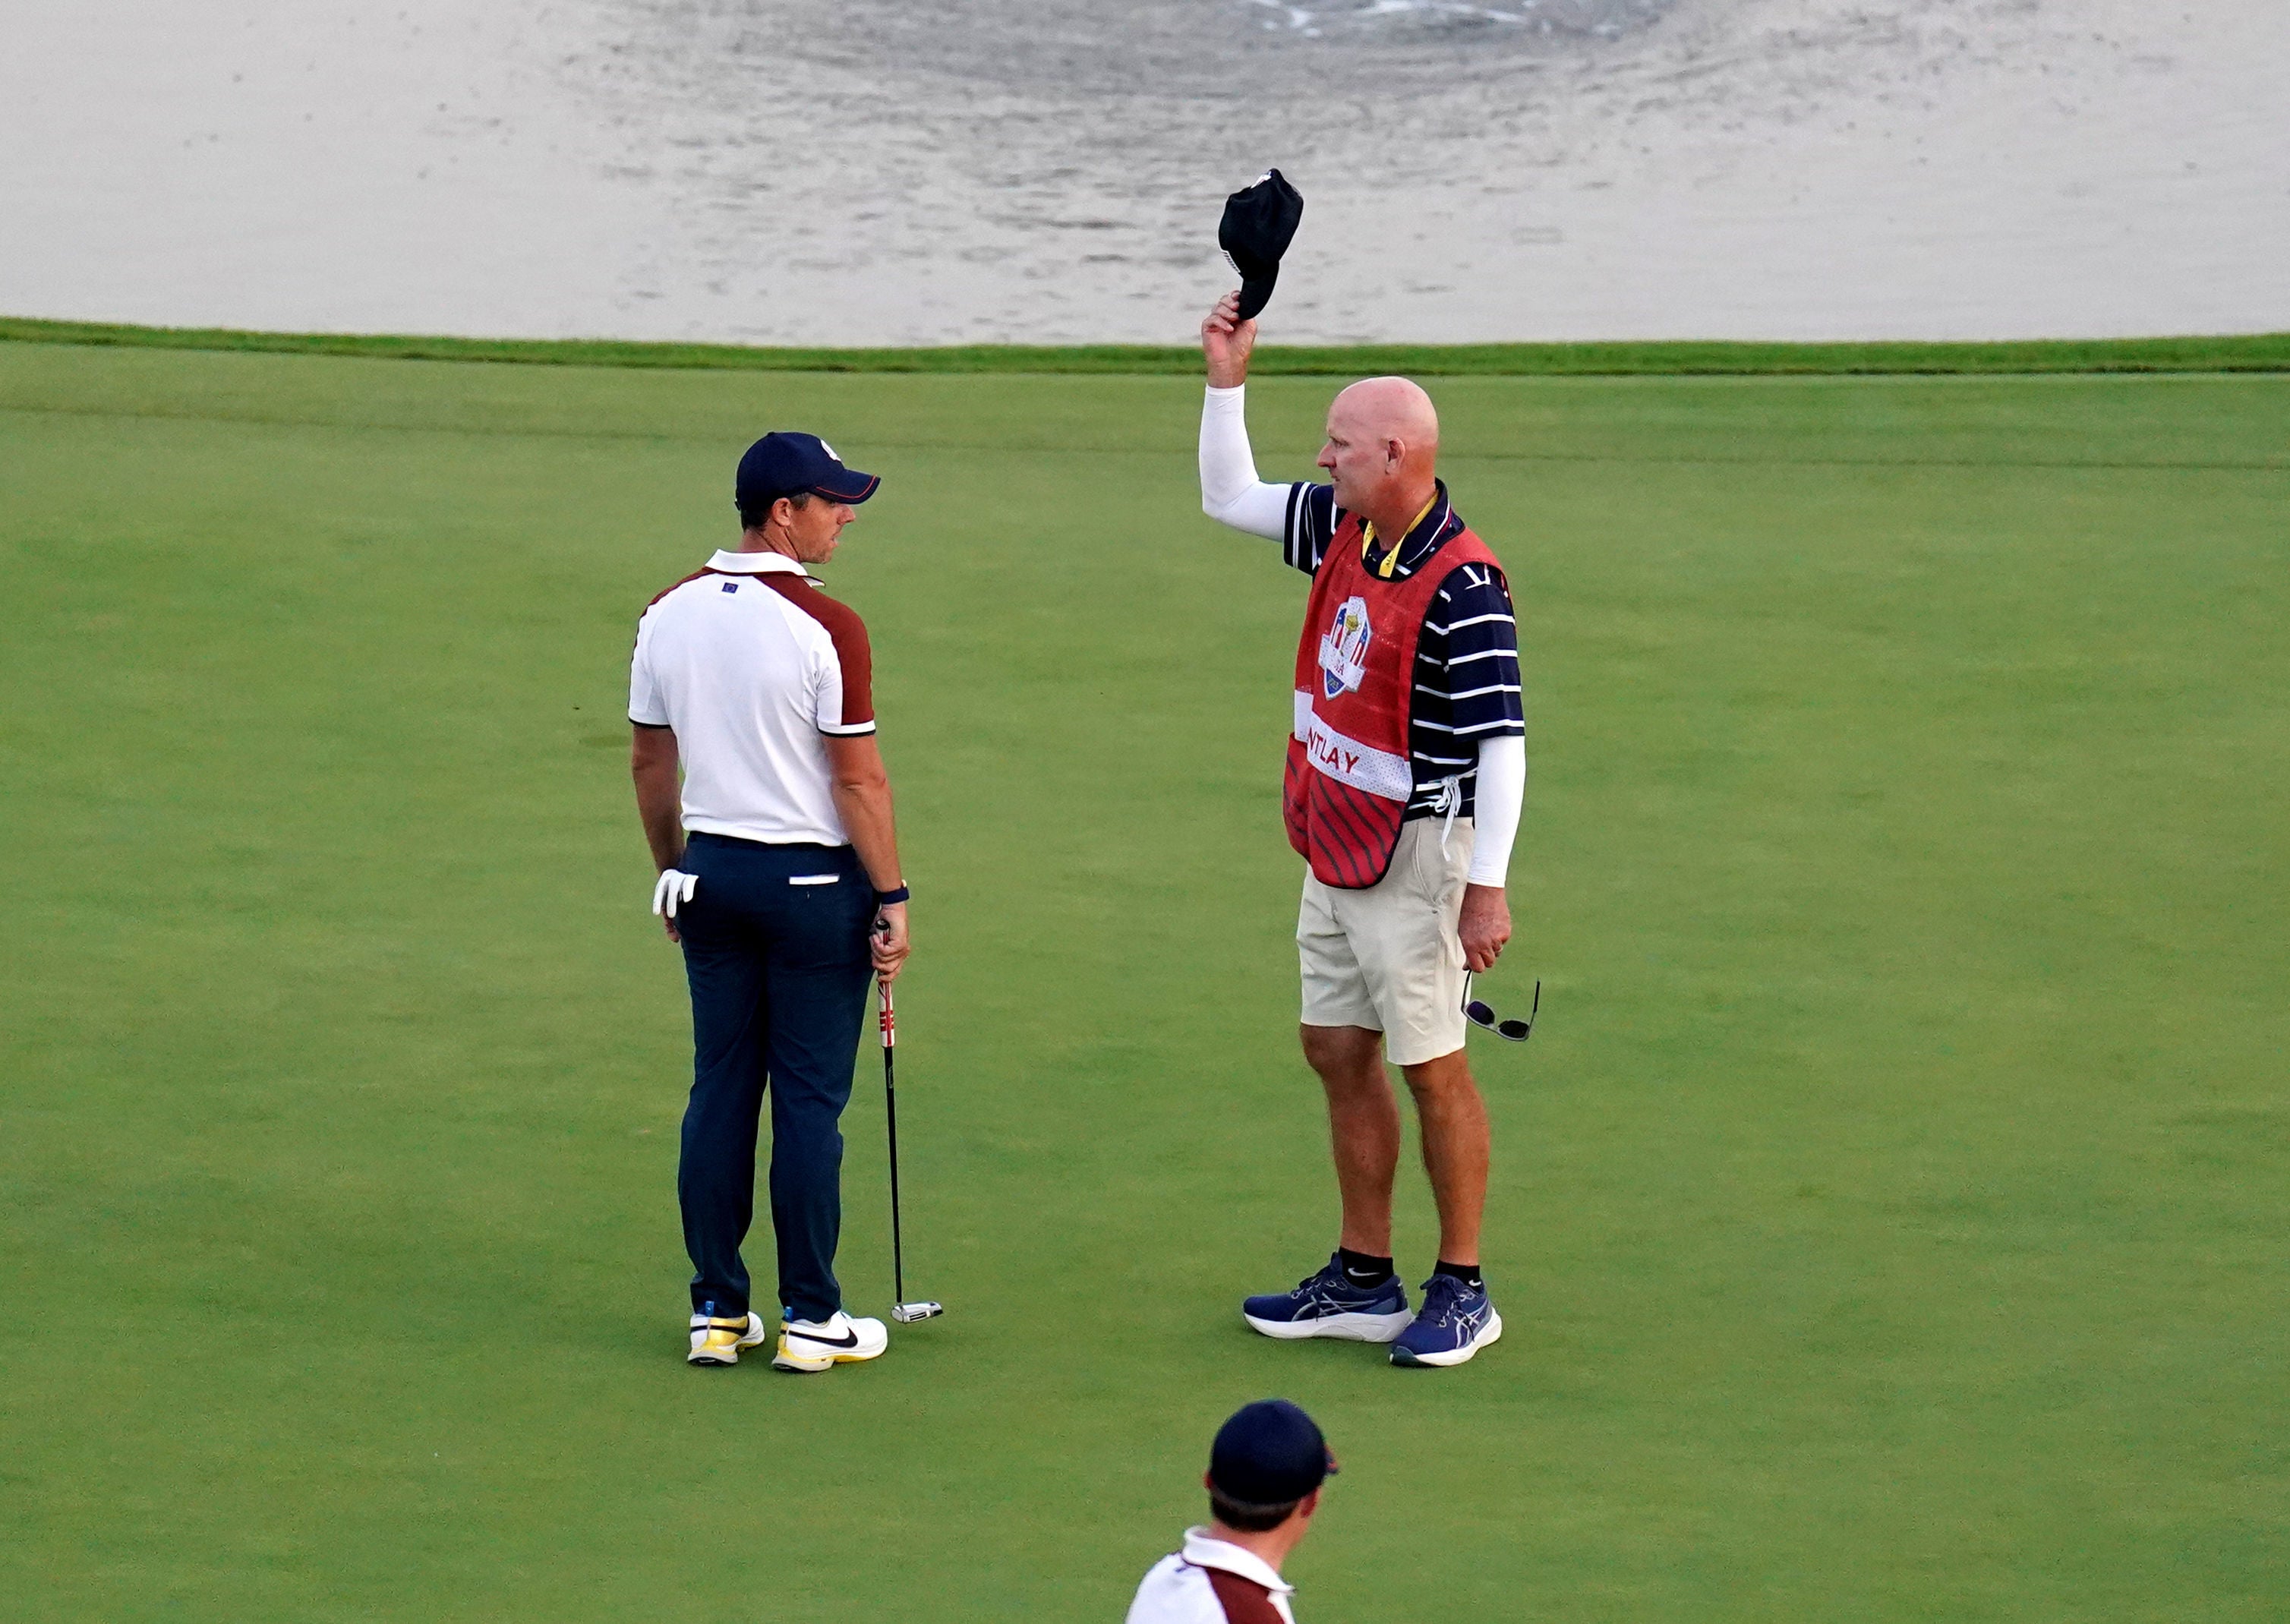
(883, 899)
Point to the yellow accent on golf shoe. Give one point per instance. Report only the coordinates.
(718, 1341)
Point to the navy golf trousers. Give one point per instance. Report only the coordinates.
(775, 949)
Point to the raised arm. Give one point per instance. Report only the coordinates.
(1230, 492)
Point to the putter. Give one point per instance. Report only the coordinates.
(906, 1313)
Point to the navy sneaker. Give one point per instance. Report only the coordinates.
(1328, 1304)
(1456, 1322)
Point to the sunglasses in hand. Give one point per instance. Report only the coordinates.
(1480, 1013)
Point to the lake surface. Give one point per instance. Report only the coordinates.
(870, 171)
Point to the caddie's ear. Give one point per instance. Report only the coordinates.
(1307, 1506)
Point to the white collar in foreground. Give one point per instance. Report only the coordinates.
(759, 563)
(1204, 1550)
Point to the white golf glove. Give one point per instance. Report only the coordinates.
(675, 886)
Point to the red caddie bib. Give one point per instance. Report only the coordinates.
(1349, 775)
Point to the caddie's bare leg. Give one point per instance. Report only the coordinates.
(1362, 1130)
(1456, 1150)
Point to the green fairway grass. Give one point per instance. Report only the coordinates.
(1889, 1213)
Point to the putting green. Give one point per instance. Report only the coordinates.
(1889, 1211)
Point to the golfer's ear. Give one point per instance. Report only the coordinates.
(1207, 1482)
(1309, 1504)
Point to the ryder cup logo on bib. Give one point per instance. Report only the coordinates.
(1343, 651)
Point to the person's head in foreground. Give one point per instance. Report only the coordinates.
(1266, 1469)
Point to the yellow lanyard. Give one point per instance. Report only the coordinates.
(1391, 559)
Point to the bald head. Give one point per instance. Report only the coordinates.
(1383, 452)
(1390, 409)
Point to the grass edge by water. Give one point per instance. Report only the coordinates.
(2239, 353)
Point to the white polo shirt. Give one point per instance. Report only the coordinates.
(753, 667)
(1211, 1582)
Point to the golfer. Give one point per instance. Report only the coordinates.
(1405, 777)
(779, 874)
(1265, 1472)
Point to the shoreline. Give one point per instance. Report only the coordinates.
(2238, 354)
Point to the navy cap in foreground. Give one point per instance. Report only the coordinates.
(783, 464)
(1270, 1452)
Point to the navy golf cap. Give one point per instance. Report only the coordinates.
(1270, 1452)
(787, 464)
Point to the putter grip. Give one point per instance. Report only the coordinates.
(888, 1019)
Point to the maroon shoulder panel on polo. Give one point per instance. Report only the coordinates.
(1244, 1600)
(853, 651)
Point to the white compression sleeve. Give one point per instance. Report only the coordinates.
(1230, 492)
(1496, 807)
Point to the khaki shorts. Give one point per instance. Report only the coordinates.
(1389, 958)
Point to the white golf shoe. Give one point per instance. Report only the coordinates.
(717, 1341)
(807, 1345)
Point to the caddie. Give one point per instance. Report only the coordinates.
(1406, 773)
(779, 874)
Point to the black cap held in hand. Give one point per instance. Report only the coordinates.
(1268, 1454)
(1259, 223)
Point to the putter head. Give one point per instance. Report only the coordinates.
(907, 1312)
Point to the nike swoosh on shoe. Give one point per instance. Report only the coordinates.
(849, 1339)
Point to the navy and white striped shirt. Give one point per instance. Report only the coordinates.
(1467, 685)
